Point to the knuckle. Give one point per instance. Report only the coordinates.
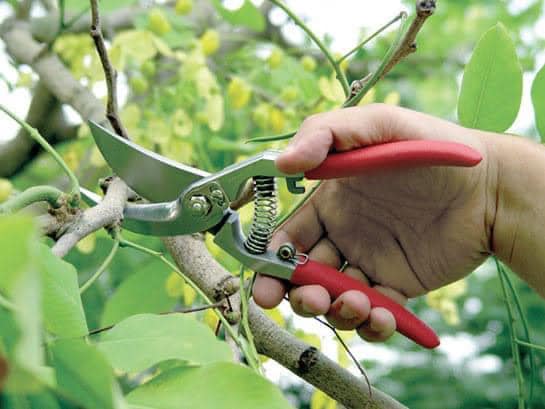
(312, 121)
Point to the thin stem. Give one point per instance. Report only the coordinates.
(530, 345)
(182, 311)
(244, 323)
(34, 134)
(339, 72)
(514, 346)
(365, 41)
(377, 75)
(34, 194)
(112, 112)
(127, 243)
(76, 17)
(232, 333)
(349, 352)
(62, 10)
(103, 266)
(280, 137)
(526, 330)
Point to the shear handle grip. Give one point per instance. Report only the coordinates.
(393, 155)
(337, 283)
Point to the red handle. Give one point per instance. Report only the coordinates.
(337, 283)
(395, 155)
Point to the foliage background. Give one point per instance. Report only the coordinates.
(199, 106)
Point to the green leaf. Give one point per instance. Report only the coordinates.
(221, 385)
(247, 15)
(43, 400)
(17, 238)
(538, 99)
(20, 283)
(145, 340)
(61, 302)
(84, 374)
(142, 292)
(492, 85)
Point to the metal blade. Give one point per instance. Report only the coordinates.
(151, 175)
(139, 218)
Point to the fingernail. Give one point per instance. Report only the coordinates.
(346, 312)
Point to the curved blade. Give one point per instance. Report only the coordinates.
(136, 217)
(151, 175)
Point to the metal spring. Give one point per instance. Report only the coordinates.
(264, 219)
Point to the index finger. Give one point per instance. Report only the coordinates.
(342, 129)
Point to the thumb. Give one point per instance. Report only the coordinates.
(340, 130)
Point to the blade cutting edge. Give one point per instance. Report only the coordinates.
(149, 174)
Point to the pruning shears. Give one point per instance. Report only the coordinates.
(184, 200)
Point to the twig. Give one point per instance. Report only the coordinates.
(424, 9)
(34, 134)
(338, 70)
(103, 266)
(530, 345)
(111, 75)
(181, 311)
(349, 352)
(34, 194)
(361, 87)
(366, 40)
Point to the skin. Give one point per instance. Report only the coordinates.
(409, 231)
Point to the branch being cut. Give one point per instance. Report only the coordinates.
(192, 257)
(110, 73)
(108, 213)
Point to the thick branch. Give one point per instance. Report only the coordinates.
(44, 114)
(108, 213)
(191, 255)
(54, 75)
(45, 28)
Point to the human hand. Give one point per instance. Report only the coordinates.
(403, 232)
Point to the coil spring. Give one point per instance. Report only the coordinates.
(264, 219)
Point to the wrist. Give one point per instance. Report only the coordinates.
(517, 174)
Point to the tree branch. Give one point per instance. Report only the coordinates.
(53, 74)
(14, 152)
(109, 72)
(424, 9)
(108, 213)
(45, 114)
(191, 255)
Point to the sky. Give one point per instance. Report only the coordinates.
(340, 25)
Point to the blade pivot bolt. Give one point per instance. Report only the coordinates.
(199, 205)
